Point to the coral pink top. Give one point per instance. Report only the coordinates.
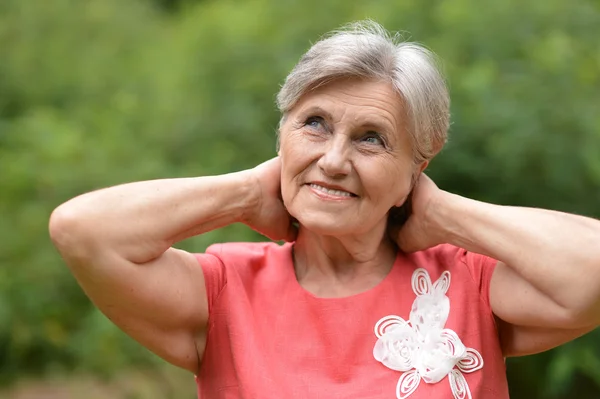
(425, 331)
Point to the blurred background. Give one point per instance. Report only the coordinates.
(99, 92)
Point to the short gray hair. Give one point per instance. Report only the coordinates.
(366, 50)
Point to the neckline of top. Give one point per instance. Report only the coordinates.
(291, 276)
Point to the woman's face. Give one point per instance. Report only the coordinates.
(346, 157)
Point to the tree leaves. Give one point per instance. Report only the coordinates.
(100, 92)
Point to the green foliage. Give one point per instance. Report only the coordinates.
(101, 92)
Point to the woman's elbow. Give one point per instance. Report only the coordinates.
(68, 230)
(585, 312)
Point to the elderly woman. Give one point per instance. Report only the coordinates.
(387, 286)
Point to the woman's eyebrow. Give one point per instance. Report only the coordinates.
(379, 126)
(315, 110)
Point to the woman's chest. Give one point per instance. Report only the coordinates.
(403, 343)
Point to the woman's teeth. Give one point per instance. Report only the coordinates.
(331, 192)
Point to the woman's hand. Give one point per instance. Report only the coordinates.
(419, 233)
(269, 216)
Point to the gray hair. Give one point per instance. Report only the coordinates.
(366, 50)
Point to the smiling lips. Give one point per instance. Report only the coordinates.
(330, 193)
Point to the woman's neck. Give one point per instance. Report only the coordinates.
(330, 266)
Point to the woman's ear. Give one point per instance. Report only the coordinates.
(401, 201)
(419, 168)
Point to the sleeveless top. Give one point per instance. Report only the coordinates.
(425, 331)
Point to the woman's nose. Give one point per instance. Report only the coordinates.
(335, 161)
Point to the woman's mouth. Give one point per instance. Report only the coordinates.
(330, 192)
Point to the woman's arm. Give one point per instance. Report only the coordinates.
(117, 242)
(556, 255)
(548, 275)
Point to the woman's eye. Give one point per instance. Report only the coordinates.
(314, 122)
(373, 138)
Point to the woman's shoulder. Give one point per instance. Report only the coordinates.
(242, 264)
(246, 251)
(447, 256)
(466, 268)
(248, 257)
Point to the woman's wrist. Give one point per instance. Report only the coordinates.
(461, 221)
(445, 216)
(249, 192)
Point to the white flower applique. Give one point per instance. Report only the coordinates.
(421, 347)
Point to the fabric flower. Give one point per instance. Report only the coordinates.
(422, 348)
